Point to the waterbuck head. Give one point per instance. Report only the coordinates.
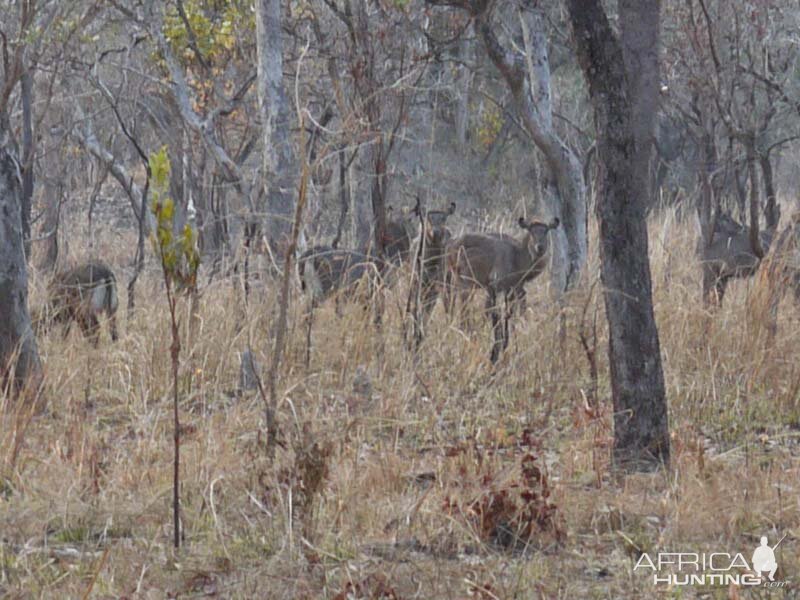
(537, 239)
(435, 224)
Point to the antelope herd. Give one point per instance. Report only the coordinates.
(497, 263)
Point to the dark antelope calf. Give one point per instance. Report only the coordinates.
(81, 295)
(499, 264)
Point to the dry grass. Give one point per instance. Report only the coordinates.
(405, 489)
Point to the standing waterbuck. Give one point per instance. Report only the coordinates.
(429, 269)
(729, 255)
(82, 294)
(499, 264)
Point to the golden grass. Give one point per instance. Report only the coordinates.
(374, 493)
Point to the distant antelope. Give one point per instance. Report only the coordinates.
(728, 256)
(82, 294)
(500, 264)
(396, 237)
(430, 267)
(325, 270)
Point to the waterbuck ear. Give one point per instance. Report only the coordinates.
(554, 224)
(452, 208)
(522, 223)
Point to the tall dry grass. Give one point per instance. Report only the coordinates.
(393, 467)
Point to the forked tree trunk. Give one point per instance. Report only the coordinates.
(19, 358)
(533, 103)
(641, 432)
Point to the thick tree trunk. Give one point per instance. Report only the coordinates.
(19, 358)
(278, 153)
(641, 432)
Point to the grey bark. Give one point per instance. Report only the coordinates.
(19, 357)
(641, 429)
(279, 164)
(535, 111)
(49, 231)
(26, 96)
(464, 85)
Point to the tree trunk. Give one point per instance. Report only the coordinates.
(755, 204)
(641, 432)
(463, 84)
(378, 199)
(534, 108)
(19, 357)
(771, 210)
(27, 158)
(278, 154)
(49, 229)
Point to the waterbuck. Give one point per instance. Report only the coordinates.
(82, 294)
(430, 270)
(396, 237)
(325, 270)
(499, 263)
(729, 256)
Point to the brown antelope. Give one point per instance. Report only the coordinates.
(325, 270)
(430, 267)
(729, 256)
(396, 237)
(498, 264)
(82, 294)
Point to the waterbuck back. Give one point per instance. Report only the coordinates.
(325, 270)
(81, 295)
(729, 256)
(499, 262)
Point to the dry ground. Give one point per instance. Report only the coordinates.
(399, 478)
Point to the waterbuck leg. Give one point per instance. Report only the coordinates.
(719, 289)
(510, 300)
(491, 307)
(428, 296)
(112, 325)
(90, 327)
(309, 317)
